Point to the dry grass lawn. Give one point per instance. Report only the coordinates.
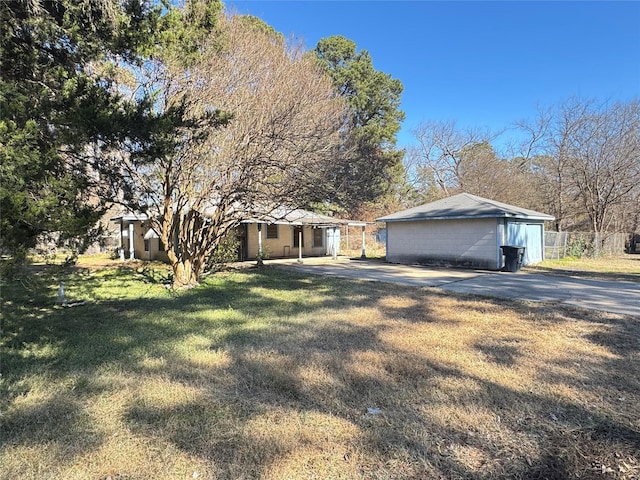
(620, 267)
(262, 373)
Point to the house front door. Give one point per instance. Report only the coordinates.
(243, 245)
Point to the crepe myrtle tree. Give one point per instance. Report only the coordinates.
(251, 125)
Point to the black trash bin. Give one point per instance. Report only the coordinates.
(513, 256)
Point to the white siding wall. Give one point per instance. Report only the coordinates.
(139, 230)
(138, 240)
(471, 242)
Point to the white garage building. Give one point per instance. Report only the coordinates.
(464, 230)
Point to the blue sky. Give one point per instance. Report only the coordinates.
(482, 64)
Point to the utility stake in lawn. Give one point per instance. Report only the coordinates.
(61, 298)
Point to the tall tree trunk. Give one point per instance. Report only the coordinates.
(185, 273)
(186, 268)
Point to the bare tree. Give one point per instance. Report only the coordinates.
(437, 157)
(279, 131)
(483, 173)
(453, 160)
(588, 159)
(546, 145)
(604, 160)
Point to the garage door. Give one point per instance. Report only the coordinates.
(528, 235)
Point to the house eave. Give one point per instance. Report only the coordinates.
(464, 217)
(130, 218)
(321, 223)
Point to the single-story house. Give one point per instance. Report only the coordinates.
(284, 233)
(464, 230)
(137, 239)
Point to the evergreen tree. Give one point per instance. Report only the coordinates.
(372, 163)
(59, 110)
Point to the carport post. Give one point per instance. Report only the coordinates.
(348, 244)
(260, 262)
(131, 252)
(334, 244)
(300, 245)
(364, 252)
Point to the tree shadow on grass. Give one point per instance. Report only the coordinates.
(503, 351)
(575, 443)
(253, 411)
(60, 421)
(269, 372)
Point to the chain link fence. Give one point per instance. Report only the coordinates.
(558, 245)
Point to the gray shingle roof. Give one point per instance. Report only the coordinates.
(279, 215)
(464, 205)
(286, 216)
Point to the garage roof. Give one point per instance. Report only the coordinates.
(464, 205)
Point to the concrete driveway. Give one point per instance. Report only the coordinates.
(620, 297)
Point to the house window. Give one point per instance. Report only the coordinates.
(272, 230)
(318, 237)
(146, 244)
(297, 233)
